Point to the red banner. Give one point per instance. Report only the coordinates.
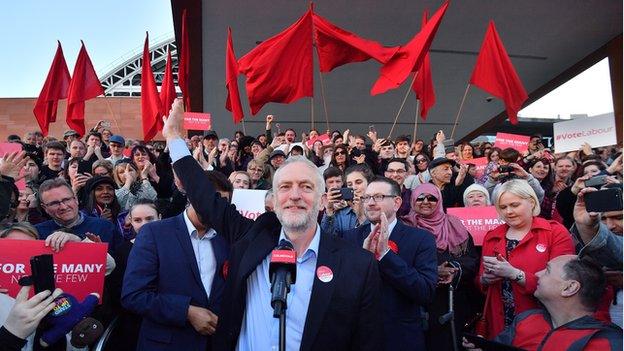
(516, 141)
(477, 220)
(324, 138)
(480, 165)
(79, 267)
(197, 121)
(7, 148)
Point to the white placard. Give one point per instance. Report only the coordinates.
(284, 146)
(596, 131)
(250, 203)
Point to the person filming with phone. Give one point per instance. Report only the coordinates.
(597, 231)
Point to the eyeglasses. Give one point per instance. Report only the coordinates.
(396, 171)
(55, 204)
(429, 198)
(340, 153)
(376, 198)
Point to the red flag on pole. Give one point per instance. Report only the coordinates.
(84, 85)
(423, 84)
(150, 101)
(495, 74)
(54, 89)
(409, 57)
(167, 91)
(280, 68)
(336, 46)
(184, 57)
(233, 102)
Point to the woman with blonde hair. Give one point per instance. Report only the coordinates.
(513, 252)
(132, 184)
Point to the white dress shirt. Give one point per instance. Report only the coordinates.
(204, 253)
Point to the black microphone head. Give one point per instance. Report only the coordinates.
(285, 245)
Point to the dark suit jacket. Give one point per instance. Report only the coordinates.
(409, 278)
(343, 313)
(162, 280)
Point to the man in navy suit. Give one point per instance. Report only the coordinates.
(334, 303)
(175, 281)
(407, 265)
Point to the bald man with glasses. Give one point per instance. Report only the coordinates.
(407, 265)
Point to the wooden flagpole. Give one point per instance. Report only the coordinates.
(396, 118)
(323, 97)
(416, 120)
(110, 110)
(312, 112)
(461, 106)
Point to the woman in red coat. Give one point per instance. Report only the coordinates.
(514, 252)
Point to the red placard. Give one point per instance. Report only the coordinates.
(480, 165)
(7, 148)
(79, 267)
(517, 141)
(477, 220)
(197, 121)
(324, 138)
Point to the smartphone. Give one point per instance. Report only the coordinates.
(42, 273)
(346, 194)
(84, 167)
(106, 124)
(371, 128)
(604, 200)
(596, 182)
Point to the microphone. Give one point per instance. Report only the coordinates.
(283, 272)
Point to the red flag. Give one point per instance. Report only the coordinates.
(184, 62)
(150, 101)
(409, 57)
(167, 91)
(336, 47)
(84, 85)
(495, 74)
(280, 68)
(233, 103)
(423, 84)
(54, 89)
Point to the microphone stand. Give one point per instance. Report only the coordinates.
(280, 312)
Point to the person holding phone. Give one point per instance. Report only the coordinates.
(513, 252)
(599, 235)
(338, 221)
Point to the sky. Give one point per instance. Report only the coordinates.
(114, 29)
(110, 29)
(587, 93)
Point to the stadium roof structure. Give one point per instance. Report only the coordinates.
(125, 78)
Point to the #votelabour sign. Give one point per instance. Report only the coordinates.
(79, 267)
(596, 131)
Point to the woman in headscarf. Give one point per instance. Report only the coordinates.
(458, 262)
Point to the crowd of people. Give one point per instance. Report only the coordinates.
(377, 254)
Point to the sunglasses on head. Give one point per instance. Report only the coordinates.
(429, 198)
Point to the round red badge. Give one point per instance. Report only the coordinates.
(540, 247)
(225, 269)
(393, 246)
(324, 274)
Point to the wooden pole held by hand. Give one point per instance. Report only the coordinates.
(460, 110)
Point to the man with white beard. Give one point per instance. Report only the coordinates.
(334, 303)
